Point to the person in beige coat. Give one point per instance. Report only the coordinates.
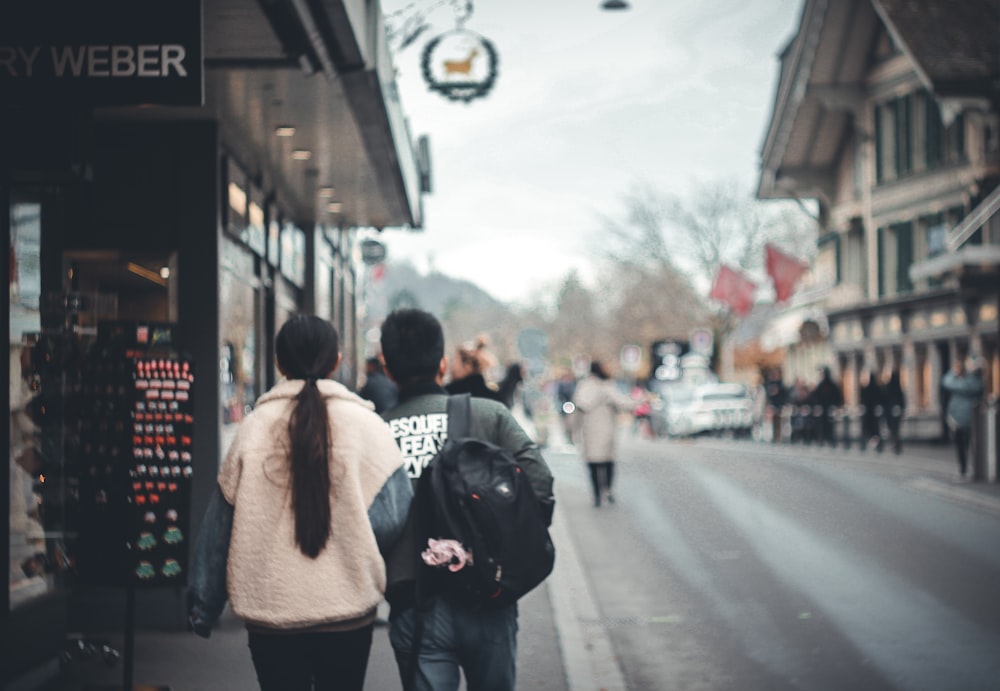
(598, 403)
(319, 494)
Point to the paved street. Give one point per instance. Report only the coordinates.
(739, 565)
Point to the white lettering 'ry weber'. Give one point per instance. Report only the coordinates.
(152, 60)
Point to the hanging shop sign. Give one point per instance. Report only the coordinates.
(461, 65)
(372, 251)
(101, 53)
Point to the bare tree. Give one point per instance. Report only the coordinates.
(718, 223)
(575, 325)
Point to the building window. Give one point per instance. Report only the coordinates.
(903, 239)
(895, 257)
(880, 259)
(826, 265)
(911, 137)
(851, 264)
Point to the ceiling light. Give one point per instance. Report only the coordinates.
(614, 5)
(334, 207)
(326, 191)
(148, 274)
(284, 130)
(302, 154)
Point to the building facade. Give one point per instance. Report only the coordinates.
(886, 114)
(176, 179)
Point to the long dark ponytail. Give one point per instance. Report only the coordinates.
(307, 347)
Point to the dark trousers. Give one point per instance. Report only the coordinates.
(602, 473)
(824, 429)
(893, 422)
(333, 660)
(963, 437)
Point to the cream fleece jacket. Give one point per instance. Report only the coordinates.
(271, 583)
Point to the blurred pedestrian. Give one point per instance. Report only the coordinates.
(827, 400)
(565, 388)
(872, 405)
(802, 418)
(378, 388)
(468, 370)
(598, 402)
(777, 399)
(507, 388)
(895, 404)
(965, 388)
(311, 495)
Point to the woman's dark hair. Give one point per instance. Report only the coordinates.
(597, 369)
(412, 345)
(307, 347)
(508, 385)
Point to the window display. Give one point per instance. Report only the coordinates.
(37, 553)
(136, 442)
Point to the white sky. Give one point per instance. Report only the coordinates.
(587, 104)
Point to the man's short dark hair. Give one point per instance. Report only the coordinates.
(412, 345)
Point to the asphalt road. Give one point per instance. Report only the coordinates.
(740, 566)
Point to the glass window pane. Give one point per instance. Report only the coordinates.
(28, 549)
(238, 374)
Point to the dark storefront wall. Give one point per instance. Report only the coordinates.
(112, 192)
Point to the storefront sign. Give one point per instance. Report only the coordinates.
(105, 52)
(460, 64)
(372, 251)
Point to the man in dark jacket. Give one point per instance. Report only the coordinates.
(456, 636)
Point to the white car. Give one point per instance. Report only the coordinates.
(709, 408)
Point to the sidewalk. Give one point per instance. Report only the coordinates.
(181, 661)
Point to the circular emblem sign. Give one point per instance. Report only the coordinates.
(460, 64)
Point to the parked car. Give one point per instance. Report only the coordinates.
(719, 408)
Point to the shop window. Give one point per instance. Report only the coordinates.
(239, 302)
(273, 236)
(293, 254)
(30, 552)
(255, 235)
(123, 285)
(236, 200)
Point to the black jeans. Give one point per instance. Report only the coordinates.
(333, 660)
(963, 437)
(602, 474)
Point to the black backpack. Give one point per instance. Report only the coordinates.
(475, 493)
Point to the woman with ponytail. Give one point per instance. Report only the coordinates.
(318, 494)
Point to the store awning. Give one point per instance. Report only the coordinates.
(326, 71)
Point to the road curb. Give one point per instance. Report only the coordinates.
(956, 493)
(588, 656)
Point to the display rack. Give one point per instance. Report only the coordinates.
(136, 443)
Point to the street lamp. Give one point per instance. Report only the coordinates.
(614, 5)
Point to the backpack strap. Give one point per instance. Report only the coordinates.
(459, 411)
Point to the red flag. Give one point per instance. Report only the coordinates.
(784, 271)
(733, 289)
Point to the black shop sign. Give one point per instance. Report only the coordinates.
(101, 53)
